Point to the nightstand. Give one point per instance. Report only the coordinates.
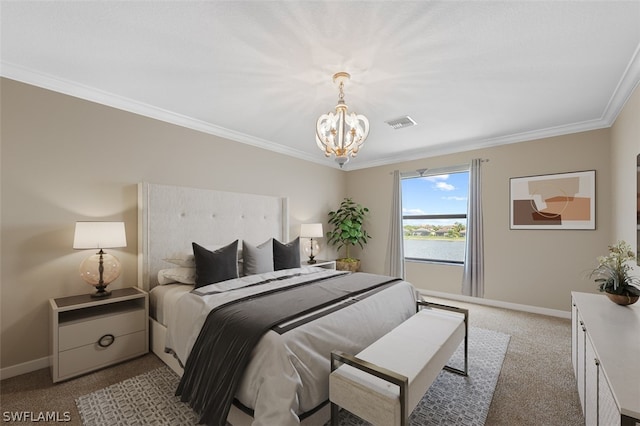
(89, 333)
(327, 264)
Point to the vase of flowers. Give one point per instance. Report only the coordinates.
(613, 275)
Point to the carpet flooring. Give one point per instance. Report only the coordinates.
(452, 399)
(536, 385)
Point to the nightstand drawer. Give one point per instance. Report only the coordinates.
(75, 334)
(92, 356)
(89, 333)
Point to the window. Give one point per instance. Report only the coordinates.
(434, 215)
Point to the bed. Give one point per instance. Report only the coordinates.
(286, 379)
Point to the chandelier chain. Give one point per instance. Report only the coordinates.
(341, 94)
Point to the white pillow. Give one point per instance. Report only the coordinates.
(177, 275)
(186, 259)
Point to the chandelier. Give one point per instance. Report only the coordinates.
(340, 133)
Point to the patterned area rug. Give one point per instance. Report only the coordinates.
(148, 399)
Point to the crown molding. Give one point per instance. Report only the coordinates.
(625, 88)
(627, 84)
(455, 147)
(66, 87)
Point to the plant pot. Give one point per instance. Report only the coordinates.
(341, 265)
(622, 299)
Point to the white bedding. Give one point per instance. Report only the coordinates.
(163, 298)
(288, 373)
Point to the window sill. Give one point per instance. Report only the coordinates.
(433, 262)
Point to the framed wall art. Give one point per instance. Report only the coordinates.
(557, 201)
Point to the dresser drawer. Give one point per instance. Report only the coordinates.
(89, 357)
(81, 333)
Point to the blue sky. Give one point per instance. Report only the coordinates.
(440, 194)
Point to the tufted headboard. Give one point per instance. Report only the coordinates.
(170, 218)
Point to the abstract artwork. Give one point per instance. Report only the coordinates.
(558, 201)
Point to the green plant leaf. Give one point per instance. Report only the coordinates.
(348, 223)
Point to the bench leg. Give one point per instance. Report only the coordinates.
(334, 407)
(465, 312)
(334, 414)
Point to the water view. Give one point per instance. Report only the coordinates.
(435, 249)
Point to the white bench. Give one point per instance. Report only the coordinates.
(386, 380)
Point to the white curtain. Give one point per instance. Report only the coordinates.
(473, 277)
(395, 249)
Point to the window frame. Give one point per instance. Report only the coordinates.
(465, 168)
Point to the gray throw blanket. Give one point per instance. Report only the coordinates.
(222, 351)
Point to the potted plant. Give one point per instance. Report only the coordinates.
(347, 231)
(612, 275)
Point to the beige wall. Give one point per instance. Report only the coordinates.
(531, 267)
(625, 148)
(65, 159)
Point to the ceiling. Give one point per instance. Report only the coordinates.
(472, 74)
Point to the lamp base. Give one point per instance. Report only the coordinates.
(311, 260)
(102, 292)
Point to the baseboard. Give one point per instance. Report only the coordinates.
(25, 367)
(498, 304)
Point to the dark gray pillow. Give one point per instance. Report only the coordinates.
(215, 266)
(286, 256)
(257, 260)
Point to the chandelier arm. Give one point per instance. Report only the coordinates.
(319, 136)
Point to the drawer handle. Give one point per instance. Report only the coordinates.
(106, 340)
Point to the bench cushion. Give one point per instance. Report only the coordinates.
(418, 348)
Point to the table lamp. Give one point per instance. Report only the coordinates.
(311, 231)
(101, 268)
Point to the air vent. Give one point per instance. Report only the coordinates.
(401, 123)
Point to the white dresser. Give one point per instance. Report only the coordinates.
(605, 352)
(90, 333)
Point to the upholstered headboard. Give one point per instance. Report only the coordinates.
(170, 218)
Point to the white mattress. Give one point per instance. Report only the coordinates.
(162, 300)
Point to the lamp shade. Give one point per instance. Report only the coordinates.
(311, 230)
(92, 235)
